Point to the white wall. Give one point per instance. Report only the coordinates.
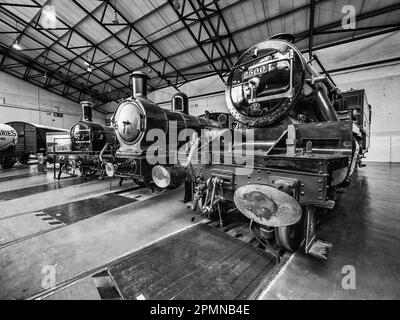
(23, 101)
(382, 85)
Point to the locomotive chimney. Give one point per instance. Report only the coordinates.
(283, 36)
(180, 102)
(139, 81)
(87, 111)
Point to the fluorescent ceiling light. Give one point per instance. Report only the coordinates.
(49, 17)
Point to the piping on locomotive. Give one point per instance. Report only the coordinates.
(139, 123)
(302, 151)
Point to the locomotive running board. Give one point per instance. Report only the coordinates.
(315, 247)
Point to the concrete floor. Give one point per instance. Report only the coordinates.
(18, 169)
(82, 246)
(365, 231)
(24, 180)
(36, 202)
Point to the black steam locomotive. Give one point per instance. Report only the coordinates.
(87, 141)
(291, 152)
(147, 135)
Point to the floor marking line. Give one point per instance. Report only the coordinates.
(28, 237)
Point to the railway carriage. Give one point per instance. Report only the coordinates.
(21, 140)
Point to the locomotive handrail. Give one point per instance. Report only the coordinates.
(288, 93)
(273, 61)
(315, 57)
(103, 151)
(255, 59)
(73, 152)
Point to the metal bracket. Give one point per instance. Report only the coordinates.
(315, 247)
(227, 177)
(212, 200)
(291, 141)
(290, 186)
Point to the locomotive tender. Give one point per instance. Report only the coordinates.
(301, 151)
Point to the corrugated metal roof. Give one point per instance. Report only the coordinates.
(96, 44)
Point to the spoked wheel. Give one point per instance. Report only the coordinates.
(7, 163)
(291, 237)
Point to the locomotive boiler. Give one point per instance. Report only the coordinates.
(297, 151)
(150, 135)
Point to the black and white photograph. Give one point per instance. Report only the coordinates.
(199, 156)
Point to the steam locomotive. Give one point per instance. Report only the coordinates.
(291, 152)
(147, 135)
(87, 140)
